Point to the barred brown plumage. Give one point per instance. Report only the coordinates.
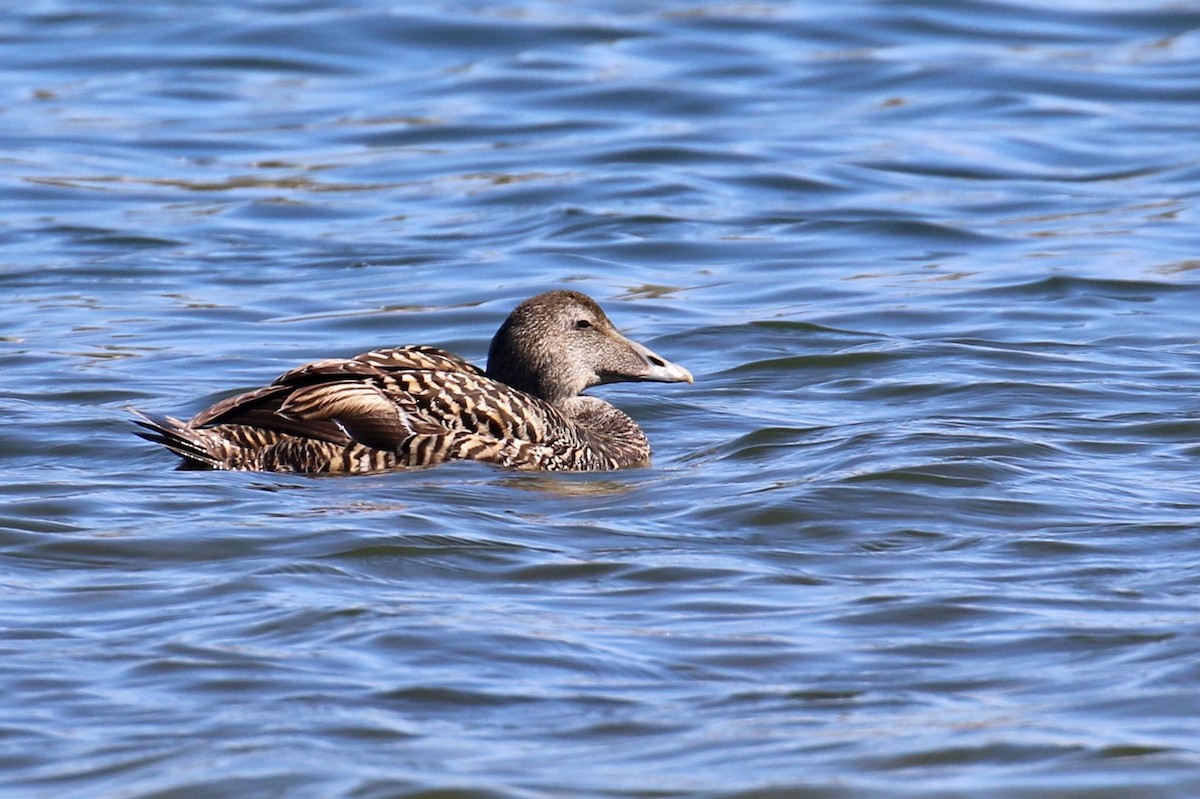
(420, 406)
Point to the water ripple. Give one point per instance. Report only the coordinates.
(924, 526)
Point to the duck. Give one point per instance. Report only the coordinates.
(418, 406)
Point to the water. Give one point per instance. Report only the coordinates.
(927, 525)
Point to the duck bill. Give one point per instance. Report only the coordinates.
(657, 369)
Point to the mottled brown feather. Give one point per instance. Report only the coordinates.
(419, 406)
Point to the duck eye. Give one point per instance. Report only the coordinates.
(582, 324)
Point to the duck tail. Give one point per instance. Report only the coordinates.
(192, 445)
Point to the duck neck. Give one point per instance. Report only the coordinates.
(530, 371)
(529, 381)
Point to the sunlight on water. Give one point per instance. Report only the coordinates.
(925, 525)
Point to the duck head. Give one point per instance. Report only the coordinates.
(558, 344)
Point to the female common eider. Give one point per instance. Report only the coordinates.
(419, 406)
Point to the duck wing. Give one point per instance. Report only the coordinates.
(343, 400)
(391, 359)
(260, 408)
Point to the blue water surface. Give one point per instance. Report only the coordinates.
(926, 526)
